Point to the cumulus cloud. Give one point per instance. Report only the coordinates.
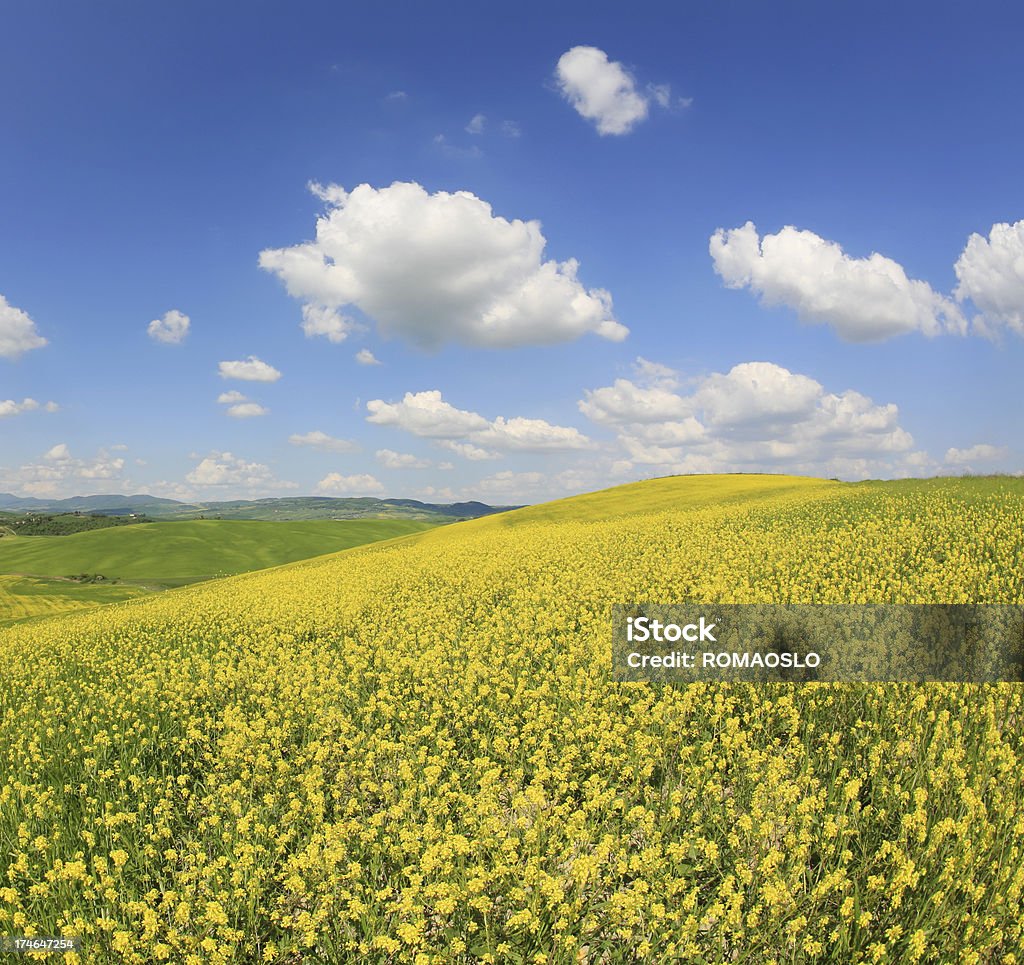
(476, 124)
(390, 459)
(222, 469)
(365, 357)
(250, 370)
(58, 472)
(601, 90)
(862, 299)
(229, 398)
(247, 410)
(9, 407)
(320, 440)
(983, 452)
(328, 322)
(17, 331)
(427, 415)
(756, 416)
(990, 272)
(357, 485)
(439, 268)
(171, 329)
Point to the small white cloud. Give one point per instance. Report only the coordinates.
(322, 441)
(468, 451)
(476, 124)
(434, 494)
(397, 96)
(250, 370)
(230, 398)
(365, 357)
(171, 329)
(247, 410)
(454, 150)
(17, 331)
(329, 322)
(222, 469)
(979, 453)
(390, 459)
(601, 90)
(862, 299)
(12, 408)
(440, 268)
(511, 129)
(357, 485)
(990, 273)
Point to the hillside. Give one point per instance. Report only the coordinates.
(167, 554)
(277, 508)
(413, 750)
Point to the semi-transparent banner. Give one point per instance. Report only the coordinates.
(688, 643)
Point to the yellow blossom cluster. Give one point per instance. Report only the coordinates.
(414, 751)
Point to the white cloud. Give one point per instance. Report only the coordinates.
(171, 329)
(322, 441)
(427, 415)
(476, 124)
(397, 95)
(600, 90)
(440, 268)
(390, 459)
(434, 494)
(983, 452)
(251, 370)
(329, 322)
(533, 435)
(757, 416)
(863, 299)
(365, 357)
(9, 407)
(58, 473)
(991, 274)
(220, 469)
(454, 150)
(247, 410)
(357, 485)
(17, 331)
(229, 398)
(511, 129)
(468, 451)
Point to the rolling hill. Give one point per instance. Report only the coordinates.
(415, 751)
(156, 556)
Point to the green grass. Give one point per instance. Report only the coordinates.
(163, 555)
(22, 597)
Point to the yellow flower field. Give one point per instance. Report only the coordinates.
(413, 751)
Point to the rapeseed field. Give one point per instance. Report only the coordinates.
(413, 751)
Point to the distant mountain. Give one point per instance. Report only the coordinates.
(288, 507)
(81, 504)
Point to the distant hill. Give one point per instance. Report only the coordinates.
(285, 508)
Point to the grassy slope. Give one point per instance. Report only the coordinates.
(165, 554)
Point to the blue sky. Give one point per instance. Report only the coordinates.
(809, 217)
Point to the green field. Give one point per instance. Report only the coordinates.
(35, 570)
